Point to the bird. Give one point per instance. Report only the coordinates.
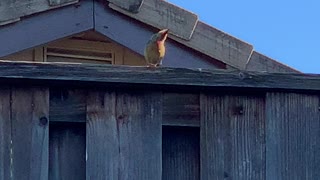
(155, 48)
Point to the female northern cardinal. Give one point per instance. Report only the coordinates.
(155, 49)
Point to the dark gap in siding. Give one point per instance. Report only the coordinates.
(180, 153)
(67, 151)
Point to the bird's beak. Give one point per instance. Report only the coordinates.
(164, 31)
(163, 34)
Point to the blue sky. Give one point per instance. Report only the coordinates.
(288, 31)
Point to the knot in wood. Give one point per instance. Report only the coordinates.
(43, 121)
(238, 110)
(226, 175)
(122, 119)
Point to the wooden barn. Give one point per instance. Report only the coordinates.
(77, 102)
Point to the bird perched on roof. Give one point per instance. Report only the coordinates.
(155, 48)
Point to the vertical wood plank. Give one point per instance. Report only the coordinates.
(30, 111)
(67, 151)
(102, 137)
(129, 127)
(232, 138)
(139, 117)
(5, 134)
(180, 153)
(293, 133)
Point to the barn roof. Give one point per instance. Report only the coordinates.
(29, 23)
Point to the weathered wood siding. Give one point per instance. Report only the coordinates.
(186, 128)
(102, 136)
(24, 133)
(292, 136)
(30, 131)
(232, 137)
(124, 135)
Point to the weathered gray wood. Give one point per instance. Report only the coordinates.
(172, 77)
(59, 3)
(163, 15)
(15, 9)
(45, 27)
(181, 109)
(67, 151)
(293, 132)
(5, 134)
(132, 6)
(127, 126)
(102, 137)
(180, 153)
(232, 137)
(218, 45)
(139, 124)
(178, 109)
(30, 133)
(67, 105)
(116, 27)
(260, 62)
